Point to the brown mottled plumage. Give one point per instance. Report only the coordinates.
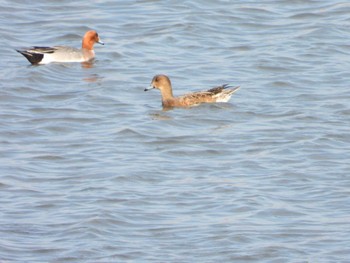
(218, 94)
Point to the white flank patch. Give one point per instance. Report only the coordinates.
(223, 97)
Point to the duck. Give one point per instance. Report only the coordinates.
(44, 55)
(221, 93)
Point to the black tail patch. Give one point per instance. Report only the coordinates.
(33, 58)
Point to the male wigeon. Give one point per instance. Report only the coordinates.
(44, 55)
(218, 94)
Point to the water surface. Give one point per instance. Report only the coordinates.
(93, 170)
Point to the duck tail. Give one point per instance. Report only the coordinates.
(32, 57)
(226, 93)
(229, 86)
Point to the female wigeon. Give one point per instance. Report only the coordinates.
(44, 55)
(218, 94)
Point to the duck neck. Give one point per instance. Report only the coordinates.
(167, 95)
(89, 45)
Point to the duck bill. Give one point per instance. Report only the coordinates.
(100, 42)
(149, 88)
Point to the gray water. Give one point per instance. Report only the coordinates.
(93, 170)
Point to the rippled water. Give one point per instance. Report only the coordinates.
(93, 170)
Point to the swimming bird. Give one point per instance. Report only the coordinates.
(218, 94)
(45, 55)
